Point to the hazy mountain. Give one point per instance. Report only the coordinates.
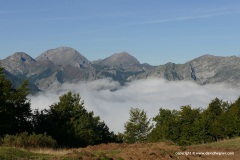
(19, 67)
(19, 63)
(56, 66)
(214, 69)
(119, 66)
(203, 70)
(16, 81)
(51, 68)
(64, 56)
(122, 59)
(65, 65)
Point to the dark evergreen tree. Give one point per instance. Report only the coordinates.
(15, 109)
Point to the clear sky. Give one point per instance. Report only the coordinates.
(154, 31)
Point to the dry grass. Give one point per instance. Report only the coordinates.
(55, 152)
(124, 151)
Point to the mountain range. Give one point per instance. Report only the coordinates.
(56, 66)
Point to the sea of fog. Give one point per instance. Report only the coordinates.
(112, 102)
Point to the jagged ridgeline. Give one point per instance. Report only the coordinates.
(56, 66)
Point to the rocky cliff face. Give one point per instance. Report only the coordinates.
(63, 64)
(214, 69)
(203, 70)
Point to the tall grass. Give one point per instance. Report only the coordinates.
(51, 151)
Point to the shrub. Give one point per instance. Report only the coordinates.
(9, 140)
(26, 140)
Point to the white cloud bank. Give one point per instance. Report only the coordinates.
(112, 102)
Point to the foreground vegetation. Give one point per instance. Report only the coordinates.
(68, 124)
(9, 153)
(119, 151)
(233, 144)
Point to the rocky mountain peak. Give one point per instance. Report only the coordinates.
(216, 60)
(64, 56)
(18, 63)
(120, 59)
(20, 57)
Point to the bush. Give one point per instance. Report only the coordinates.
(26, 140)
(9, 140)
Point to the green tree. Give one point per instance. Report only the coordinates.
(213, 113)
(15, 109)
(71, 124)
(186, 120)
(166, 127)
(233, 119)
(213, 122)
(192, 126)
(138, 127)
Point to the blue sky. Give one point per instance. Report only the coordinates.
(154, 31)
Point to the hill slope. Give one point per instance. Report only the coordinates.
(223, 150)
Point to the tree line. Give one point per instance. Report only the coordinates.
(220, 120)
(68, 124)
(187, 126)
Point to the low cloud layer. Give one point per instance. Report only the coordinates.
(112, 102)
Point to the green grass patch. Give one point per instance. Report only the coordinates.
(226, 144)
(8, 153)
(114, 152)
